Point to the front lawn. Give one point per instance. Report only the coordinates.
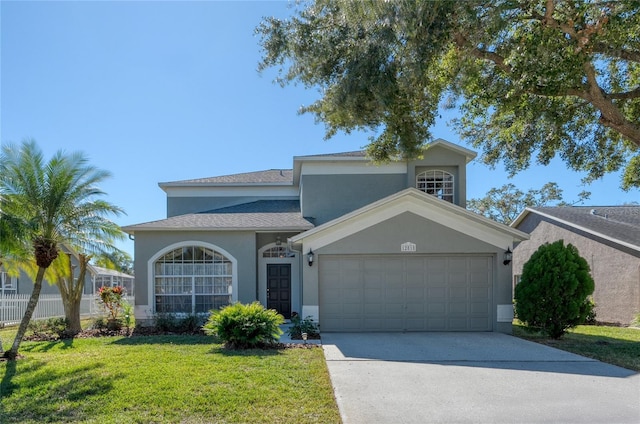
(163, 379)
(614, 345)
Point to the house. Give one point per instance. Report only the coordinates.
(607, 237)
(96, 277)
(355, 245)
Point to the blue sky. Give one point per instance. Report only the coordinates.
(165, 91)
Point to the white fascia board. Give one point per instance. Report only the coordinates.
(234, 191)
(362, 168)
(411, 200)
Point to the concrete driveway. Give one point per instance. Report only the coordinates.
(473, 378)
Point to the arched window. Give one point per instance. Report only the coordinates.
(436, 182)
(192, 279)
(275, 252)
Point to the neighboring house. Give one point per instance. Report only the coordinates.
(96, 277)
(607, 237)
(354, 245)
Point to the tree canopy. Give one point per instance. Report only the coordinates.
(504, 204)
(532, 79)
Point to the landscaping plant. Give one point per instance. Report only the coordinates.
(553, 293)
(299, 326)
(242, 326)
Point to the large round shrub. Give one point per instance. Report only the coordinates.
(554, 289)
(242, 326)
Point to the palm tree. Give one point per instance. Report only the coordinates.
(54, 202)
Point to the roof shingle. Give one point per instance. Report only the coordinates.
(621, 223)
(259, 215)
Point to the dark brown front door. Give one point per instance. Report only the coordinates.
(279, 288)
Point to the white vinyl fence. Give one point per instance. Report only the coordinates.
(12, 307)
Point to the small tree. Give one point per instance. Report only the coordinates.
(112, 300)
(553, 293)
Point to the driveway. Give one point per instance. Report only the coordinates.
(473, 378)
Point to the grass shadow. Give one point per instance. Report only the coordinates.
(35, 396)
(45, 346)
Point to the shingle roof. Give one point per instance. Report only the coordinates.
(260, 215)
(270, 176)
(354, 154)
(617, 223)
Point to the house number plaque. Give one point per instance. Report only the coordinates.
(408, 247)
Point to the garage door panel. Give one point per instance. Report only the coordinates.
(436, 309)
(479, 309)
(436, 324)
(405, 293)
(458, 293)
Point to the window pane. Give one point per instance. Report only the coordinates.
(192, 269)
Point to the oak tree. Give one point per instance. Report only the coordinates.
(532, 79)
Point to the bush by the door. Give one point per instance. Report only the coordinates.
(242, 326)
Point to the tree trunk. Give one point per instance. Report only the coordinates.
(72, 316)
(12, 353)
(71, 291)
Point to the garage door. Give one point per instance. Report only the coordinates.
(405, 293)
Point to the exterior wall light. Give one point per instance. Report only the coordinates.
(310, 257)
(508, 255)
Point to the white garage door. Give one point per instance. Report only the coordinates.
(405, 293)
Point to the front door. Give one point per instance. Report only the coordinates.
(279, 288)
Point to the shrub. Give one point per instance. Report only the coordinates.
(112, 298)
(172, 323)
(299, 326)
(49, 327)
(242, 326)
(553, 293)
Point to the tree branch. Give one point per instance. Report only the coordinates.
(498, 60)
(630, 55)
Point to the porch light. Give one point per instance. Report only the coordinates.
(310, 257)
(278, 241)
(508, 255)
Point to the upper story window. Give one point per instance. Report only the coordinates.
(436, 182)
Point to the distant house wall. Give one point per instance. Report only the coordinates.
(616, 273)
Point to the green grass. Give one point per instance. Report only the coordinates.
(614, 345)
(163, 379)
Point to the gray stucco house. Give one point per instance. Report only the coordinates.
(607, 237)
(356, 246)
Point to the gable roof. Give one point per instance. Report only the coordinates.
(619, 224)
(289, 177)
(260, 215)
(420, 203)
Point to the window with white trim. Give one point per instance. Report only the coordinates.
(275, 252)
(8, 283)
(436, 182)
(192, 279)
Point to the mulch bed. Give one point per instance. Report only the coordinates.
(147, 331)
